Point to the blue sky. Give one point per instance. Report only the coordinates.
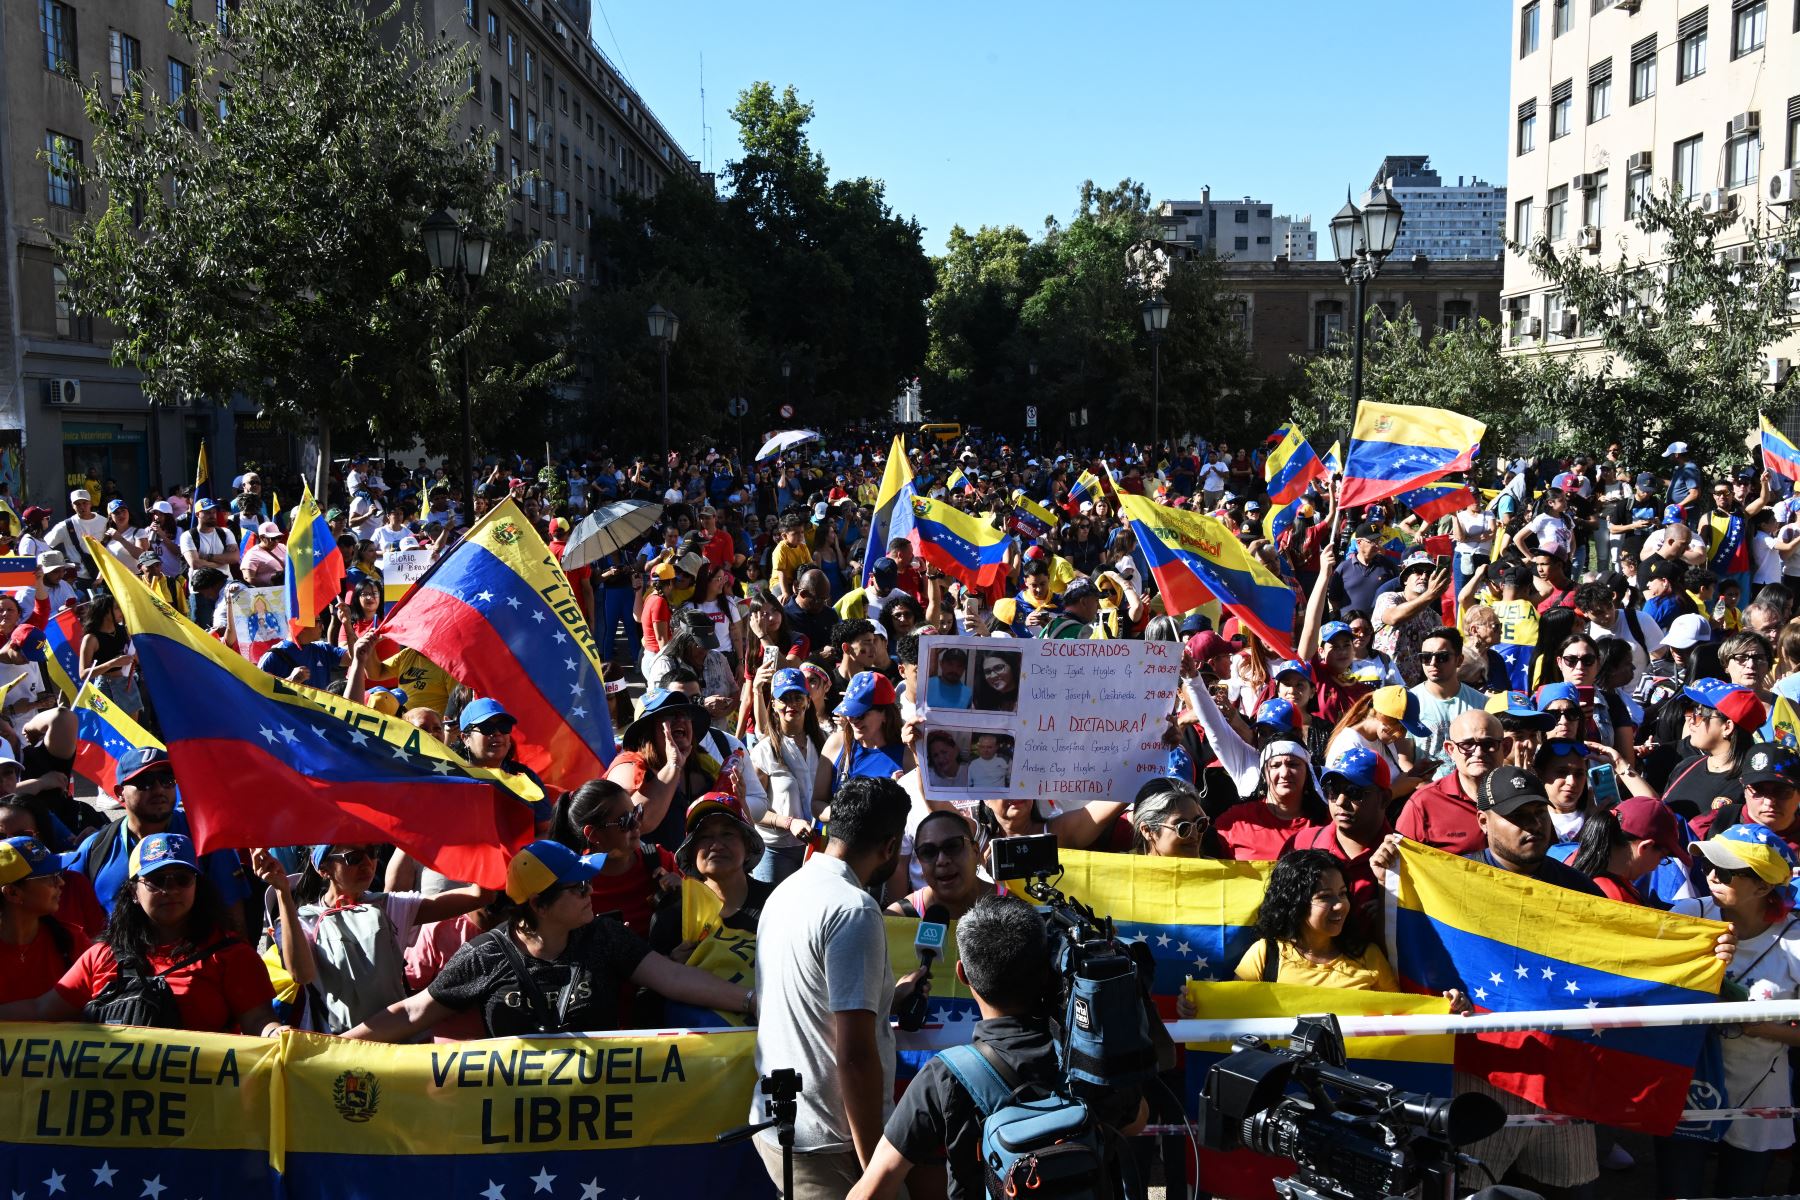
(990, 112)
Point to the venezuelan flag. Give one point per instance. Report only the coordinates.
(958, 480)
(1779, 454)
(18, 571)
(893, 508)
(315, 565)
(1515, 945)
(497, 613)
(1437, 500)
(320, 768)
(957, 544)
(1086, 487)
(1334, 458)
(103, 733)
(1785, 722)
(1395, 447)
(1031, 517)
(1195, 558)
(1291, 466)
(58, 651)
(202, 476)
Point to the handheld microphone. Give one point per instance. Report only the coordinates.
(929, 943)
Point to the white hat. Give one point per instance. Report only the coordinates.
(269, 529)
(1674, 449)
(164, 507)
(80, 494)
(1687, 631)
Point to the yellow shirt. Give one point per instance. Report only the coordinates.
(790, 561)
(1518, 621)
(1370, 973)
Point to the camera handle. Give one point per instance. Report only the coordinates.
(782, 1087)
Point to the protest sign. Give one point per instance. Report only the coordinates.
(1072, 720)
(400, 569)
(259, 619)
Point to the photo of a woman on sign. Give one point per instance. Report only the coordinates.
(943, 758)
(997, 680)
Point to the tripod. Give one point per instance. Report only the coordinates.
(783, 1090)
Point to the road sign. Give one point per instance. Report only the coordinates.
(1031, 416)
(737, 406)
(787, 412)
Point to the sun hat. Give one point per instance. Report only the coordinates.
(717, 804)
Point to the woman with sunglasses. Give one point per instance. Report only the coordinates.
(1168, 822)
(1749, 872)
(720, 848)
(945, 847)
(351, 943)
(1747, 659)
(552, 966)
(599, 817)
(1720, 723)
(167, 920)
(1606, 717)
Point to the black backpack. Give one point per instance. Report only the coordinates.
(139, 996)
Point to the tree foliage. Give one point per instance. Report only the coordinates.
(260, 234)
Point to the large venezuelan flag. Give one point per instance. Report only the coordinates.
(1396, 447)
(1779, 454)
(497, 613)
(103, 734)
(1515, 945)
(892, 517)
(1437, 500)
(315, 565)
(958, 544)
(1195, 558)
(263, 762)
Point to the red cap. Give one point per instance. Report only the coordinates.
(1648, 817)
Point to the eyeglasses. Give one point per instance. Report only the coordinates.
(950, 847)
(491, 730)
(1700, 712)
(631, 818)
(351, 858)
(1749, 658)
(1435, 656)
(1727, 874)
(1477, 746)
(170, 879)
(1183, 830)
(1564, 714)
(1580, 660)
(584, 889)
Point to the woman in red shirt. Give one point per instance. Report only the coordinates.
(35, 948)
(599, 816)
(169, 920)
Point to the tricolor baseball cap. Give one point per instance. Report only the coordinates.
(546, 864)
(1332, 629)
(1751, 847)
(1398, 704)
(1290, 666)
(867, 690)
(26, 858)
(787, 681)
(160, 850)
(1360, 766)
(1277, 714)
(1739, 705)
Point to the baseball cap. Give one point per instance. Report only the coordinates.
(1751, 847)
(786, 681)
(149, 558)
(1552, 693)
(1278, 714)
(1332, 629)
(32, 512)
(717, 804)
(1359, 765)
(268, 529)
(113, 506)
(1687, 630)
(205, 504)
(1195, 623)
(1369, 531)
(867, 690)
(159, 850)
(1503, 791)
(1674, 449)
(1518, 706)
(885, 568)
(546, 864)
(482, 710)
(1207, 645)
(1768, 762)
(1673, 514)
(1290, 666)
(26, 858)
(139, 759)
(1648, 817)
(1081, 589)
(1398, 704)
(80, 494)
(1739, 705)
(1253, 506)
(1645, 481)
(1747, 475)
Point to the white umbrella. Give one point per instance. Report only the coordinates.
(609, 529)
(787, 439)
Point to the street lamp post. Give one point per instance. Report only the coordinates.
(787, 384)
(1156, 324)
(664, 325)
(1362, 239)
(462, 252)
(1031, 366)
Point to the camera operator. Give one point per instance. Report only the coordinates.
(1005, 961)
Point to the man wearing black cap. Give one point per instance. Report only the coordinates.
(1771, 783)
(1080, 612)
(1367, 570)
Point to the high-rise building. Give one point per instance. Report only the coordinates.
(1466, 219)
(67, 414)
(1294, 238)
(1611, 98)
(1240, 230)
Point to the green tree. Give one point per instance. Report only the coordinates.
(1684, 336)
(259, 234)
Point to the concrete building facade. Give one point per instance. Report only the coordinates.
(1466, 219)
(1295, 238)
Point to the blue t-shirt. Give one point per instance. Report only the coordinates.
(221, 866)
(319, 659)
(939, 694)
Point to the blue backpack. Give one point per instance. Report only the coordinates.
(1034, 1141)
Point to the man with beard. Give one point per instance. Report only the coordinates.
(824, 991)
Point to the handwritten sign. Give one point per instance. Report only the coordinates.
(1029, 718)
(400, 569)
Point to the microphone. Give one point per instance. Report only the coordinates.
(929, 943)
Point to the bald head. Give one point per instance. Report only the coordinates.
(1476, 745)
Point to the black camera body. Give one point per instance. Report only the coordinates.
(1353, 1137)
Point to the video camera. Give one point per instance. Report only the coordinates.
(1102, 1015)
(1355, 1138)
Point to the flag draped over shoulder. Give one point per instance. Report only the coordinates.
(1779, 454)
(1197, 558)
(315, 565)
(957, 544)
(893, 515)
(1397, 447)
(263, 762)
(103, 734)
(1515, 944)
(497, 613)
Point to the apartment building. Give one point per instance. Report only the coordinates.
(1466, 219)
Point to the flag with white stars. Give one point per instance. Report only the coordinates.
(496, 612)
(963, 547)
(1514, 943)
(103, 733)
(1398, 447)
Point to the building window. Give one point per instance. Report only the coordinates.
(468, 12)
(1328, 323)
(1556, 210)
(1743, 160)
(562, 103)
(125, 58)
(1527, 140)
(1793, 131)
(70, 325)
(1593, 202)
(531, 127)
(1643, 70)
(1687, 167)
(62, 160)
(1522, 221)
(1528, 29)
(1600, 95)
(181, 82)
(1562, 17)
(226, 8)
(1458, 313)
(1240, 243)
(494, 104)
(530, 66)
(512, 52)
(493, 28)
(1637, 190)
(56, 21)
(1562, 109)
(223, 105)
(512, 114)
(1749, 27)
(1691, 52)
(1241, 216)
(1553, 315)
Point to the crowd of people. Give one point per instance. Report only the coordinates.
(1579, 677)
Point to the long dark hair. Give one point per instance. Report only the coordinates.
(1288, 899)
(99, 607)
(578, 809)
(129, 931)
(1601, 834)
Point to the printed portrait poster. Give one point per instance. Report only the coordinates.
(259, 620)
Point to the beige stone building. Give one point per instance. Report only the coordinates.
(560, 108)
(1612, 97)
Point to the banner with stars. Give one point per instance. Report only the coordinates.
(497, 613)
(104, 734)
(263, 762)
(1515, 944)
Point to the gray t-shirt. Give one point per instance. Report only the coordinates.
(821, 949)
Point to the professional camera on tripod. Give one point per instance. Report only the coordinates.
(1354, 1138)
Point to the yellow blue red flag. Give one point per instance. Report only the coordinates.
(1780, 455)
(959, 545)
(56, 649)
(315, 565)
(893, 515)
(1434, 501)
(1396, 447)
(104, 733)
(1030, 517)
